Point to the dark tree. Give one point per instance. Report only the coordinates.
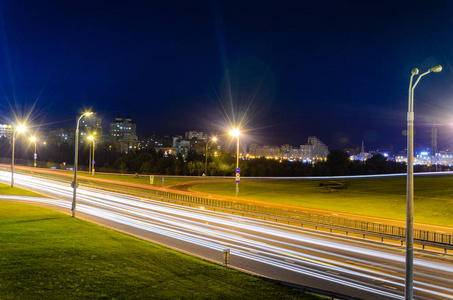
(338, 163)
(378, 164)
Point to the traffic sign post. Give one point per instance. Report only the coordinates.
(238, 179)
(226, 257)
(151, 179)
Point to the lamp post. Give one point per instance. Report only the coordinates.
(20, 128)
(90, 138)
(76, 156)
(91, 165)
(235, 133)
(206, 153)
(35, 156)
(92, 168)
(409, 288)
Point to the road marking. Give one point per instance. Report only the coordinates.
(388, 286)
(334, 273)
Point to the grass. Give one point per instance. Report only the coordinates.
(49, 255)
(382, 197)
(5, 189)
(168, 180)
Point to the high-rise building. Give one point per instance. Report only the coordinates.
(194, 140)
(90, 125)
(266, 151)
(5, 131)
(313, 150)
(123, 130)
(156, 142)
(61, 135)
(196, 135)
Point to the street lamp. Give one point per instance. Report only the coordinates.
(409, 288)
(206, 153)
(235, 133)
(35, 156)
(20, 128)
(91, 162)
(76, 156)
(90, 138)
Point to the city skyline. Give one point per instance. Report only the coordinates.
(443, 136)
(60, 135)
(288, 71)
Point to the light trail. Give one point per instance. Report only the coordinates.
(354, 267)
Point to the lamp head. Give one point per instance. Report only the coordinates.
(88, 113)
(415, 71)
(234, 132)
(90, 137)
(32, 139)
(214, 139)
(436, 69)
(21, 128)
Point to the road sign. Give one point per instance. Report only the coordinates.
(151, 179)
(93, 162)
(35, 156)
(238, 170)
(238, 177)
(226, 256)
(163, 180)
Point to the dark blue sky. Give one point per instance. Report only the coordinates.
(285, 70)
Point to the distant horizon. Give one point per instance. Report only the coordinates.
(418, 146)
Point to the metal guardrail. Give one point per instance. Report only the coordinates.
(422, 237)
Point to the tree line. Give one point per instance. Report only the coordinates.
(152, 161)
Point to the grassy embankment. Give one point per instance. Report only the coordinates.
(169, 181)
(49, 255)
(5, 189)
(382, 197)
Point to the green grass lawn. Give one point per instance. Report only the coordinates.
(45, 254)
(168, 181)
(5, 189)
(383, 197)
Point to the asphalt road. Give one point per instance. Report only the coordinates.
(338, 263)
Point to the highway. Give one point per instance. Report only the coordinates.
(333, 262)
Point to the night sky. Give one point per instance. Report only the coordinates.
(282, 70)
